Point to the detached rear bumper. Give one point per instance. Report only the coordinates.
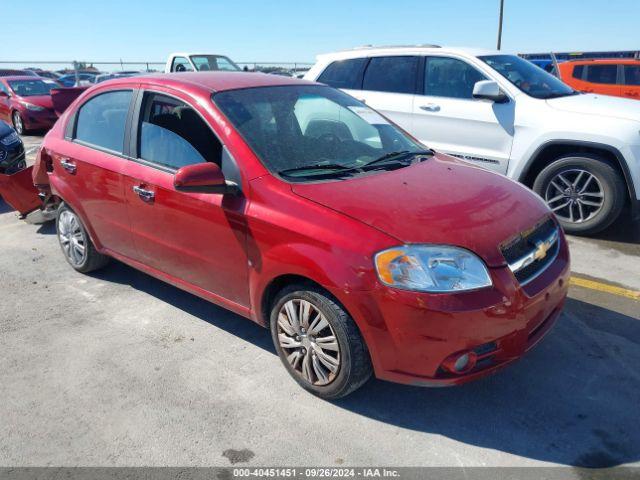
(18, 191)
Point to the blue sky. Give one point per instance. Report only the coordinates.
(284, 30)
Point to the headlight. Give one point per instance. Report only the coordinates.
(431, 268)
(9, 139)
(35, 108)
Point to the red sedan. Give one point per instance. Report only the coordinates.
(26, 103)
(299, 207)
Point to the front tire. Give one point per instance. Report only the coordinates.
(585, 191)
(318, 342)
(75, 243)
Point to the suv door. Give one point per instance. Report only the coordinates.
(389, 85)
(631, 81)
(450, 120)
(196, 238)
(602, 79)
(88, 165)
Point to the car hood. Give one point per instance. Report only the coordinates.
(441, 200)
(602, 105)
(40, 100)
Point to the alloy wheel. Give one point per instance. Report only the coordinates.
(17, 123)
(72, 238)
(309, 342)
(574, 195)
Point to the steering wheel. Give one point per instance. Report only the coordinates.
(329, 137)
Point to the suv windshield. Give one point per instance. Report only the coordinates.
(312, 132)
(205, 63)
(30, 88)
(529, 78)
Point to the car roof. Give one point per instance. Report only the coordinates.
(213, 81)
(408, 49)
(605, 61)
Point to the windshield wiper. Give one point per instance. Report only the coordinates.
(397, 156)
(323, 168)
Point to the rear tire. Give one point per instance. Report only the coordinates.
(326, 339)
(585, 191)
(75, 243)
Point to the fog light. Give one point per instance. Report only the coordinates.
(460, 362)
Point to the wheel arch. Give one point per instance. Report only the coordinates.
(277, 284)
(67, 197)
(550, 150)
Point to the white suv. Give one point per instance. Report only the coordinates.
(579, 152)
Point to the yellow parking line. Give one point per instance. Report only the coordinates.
(605, 287)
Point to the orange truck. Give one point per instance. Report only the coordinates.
(617, 77)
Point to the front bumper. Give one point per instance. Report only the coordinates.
(37, 120)
(410, 334)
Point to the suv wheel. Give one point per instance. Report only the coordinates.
(75, 243)
(585, 192)
(318, 342)
(18, 124)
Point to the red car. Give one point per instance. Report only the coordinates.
(299, 207)
(26, 103)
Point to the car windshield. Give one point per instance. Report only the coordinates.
(529, 78)
(205, 63)
(313, 132)
(30, 88)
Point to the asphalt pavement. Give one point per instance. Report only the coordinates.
(119, 369)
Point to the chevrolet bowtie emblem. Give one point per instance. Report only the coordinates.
(541, 250)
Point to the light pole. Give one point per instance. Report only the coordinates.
(500, 24)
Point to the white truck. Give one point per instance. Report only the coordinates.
(579, 152)
(199, 62)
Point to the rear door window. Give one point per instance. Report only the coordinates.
(102, 119)
(344, 73)
(602, 74)
(391, 74)
(450, 77)
(632, 75)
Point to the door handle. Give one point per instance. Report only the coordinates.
(430, 107)
(68, 165)
(145, 195)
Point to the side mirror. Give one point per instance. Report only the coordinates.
(203, 178)
(488, 90)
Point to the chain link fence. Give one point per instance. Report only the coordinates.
(68, 67)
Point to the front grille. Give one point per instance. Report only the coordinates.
(3, 155)
(531, 252)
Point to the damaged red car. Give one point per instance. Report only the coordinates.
(299, 207)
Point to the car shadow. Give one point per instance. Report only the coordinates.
(569, 401)
(220, 317)
(623, 230)
(573, 400)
